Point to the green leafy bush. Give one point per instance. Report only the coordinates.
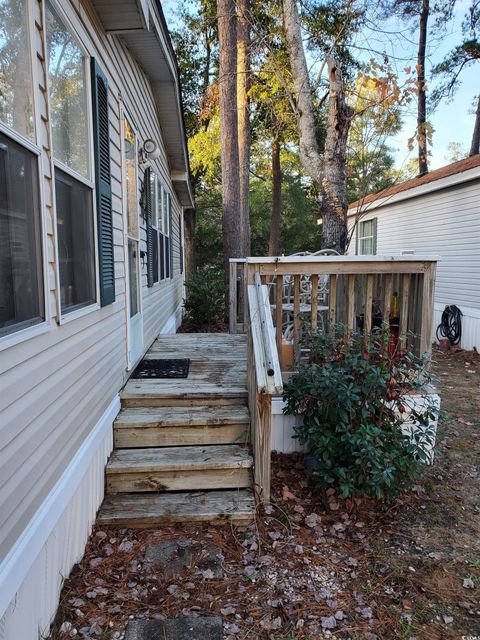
(354, 403)
(205, 301)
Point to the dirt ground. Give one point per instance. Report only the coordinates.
(313, 566)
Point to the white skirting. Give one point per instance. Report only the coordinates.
(283, 431)
(470, 325)
(31, 575)
(174, 321)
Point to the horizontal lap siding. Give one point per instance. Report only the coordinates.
(445, 223)
(55, 387)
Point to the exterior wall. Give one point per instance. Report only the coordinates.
(58, 380)
(445, 222)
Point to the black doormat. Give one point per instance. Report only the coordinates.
(149, 368)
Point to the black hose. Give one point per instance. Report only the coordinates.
(450, 326)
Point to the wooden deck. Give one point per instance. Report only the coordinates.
(217, 375)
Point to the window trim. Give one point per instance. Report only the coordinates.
(373, 237)
(62, 317)
(34, 146)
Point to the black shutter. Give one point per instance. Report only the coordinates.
(103, 188)
(147, 187)
(170, 242)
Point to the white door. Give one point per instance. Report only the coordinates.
(132, 245)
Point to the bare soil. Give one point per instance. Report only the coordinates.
(313, 566)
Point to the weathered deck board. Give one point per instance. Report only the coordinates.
(179, 426)
(179, 459)
(217, 375)
(179, 468)
(144, 511)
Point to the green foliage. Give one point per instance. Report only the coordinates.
(206, 298)
(354, 405)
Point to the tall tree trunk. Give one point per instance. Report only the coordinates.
(275, 222)
(189, 236)
(475, 146)
(227, 36)
(310, 155)
(243, 71)
(334, 186)
(422, 97)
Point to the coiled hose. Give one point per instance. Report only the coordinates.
(450, 326)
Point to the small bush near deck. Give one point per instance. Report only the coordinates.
(353, 402)
(205, 302)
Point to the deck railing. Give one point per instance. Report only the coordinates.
(264, 379)
(360, 292)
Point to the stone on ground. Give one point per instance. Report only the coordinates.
(171, 557)
(201, 628)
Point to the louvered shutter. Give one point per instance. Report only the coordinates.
(103, 186)
(180, 241)
(150, 230)
(170, 243)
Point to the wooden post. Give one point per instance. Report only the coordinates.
(387, 297)
(279, 314)
(296, 317)
(367, 319)
(332, 298)
(350, 303)
(428, 293)
(314, 301)
(233, 292)
(404, 310)
(262, 446)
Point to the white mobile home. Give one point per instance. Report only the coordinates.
(436, 214)
(94, 181)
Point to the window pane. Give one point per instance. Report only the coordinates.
(133, 277)
(131, 178)
(166, 230)
(68, 105)
(366, 246)
(16, 81)
(366, 228)
(21, 273)
(160, 195)
(75, 242)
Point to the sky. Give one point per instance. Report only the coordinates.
(452, 122)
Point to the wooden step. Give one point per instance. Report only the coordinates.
(141, 510)
(180, 426)
(153, 395)
(179, 469)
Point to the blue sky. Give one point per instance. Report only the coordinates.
(452, 122)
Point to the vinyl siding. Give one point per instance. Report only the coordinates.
(54, 387)
(445, 222)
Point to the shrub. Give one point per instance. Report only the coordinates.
(352, 399)
(205, 301)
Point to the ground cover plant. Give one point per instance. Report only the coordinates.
(354, 402)
(205, 300)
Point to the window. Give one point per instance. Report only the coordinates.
(21, 274)
(73, 196)
(67, 96)
(16, 80)
(75, 235)
(367, 238)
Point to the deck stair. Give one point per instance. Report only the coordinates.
(182, 450)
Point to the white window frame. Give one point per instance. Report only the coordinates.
(34, 146)
(63, 318)
(361, 238)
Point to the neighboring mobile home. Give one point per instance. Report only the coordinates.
(94, 181)
(438, 213)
